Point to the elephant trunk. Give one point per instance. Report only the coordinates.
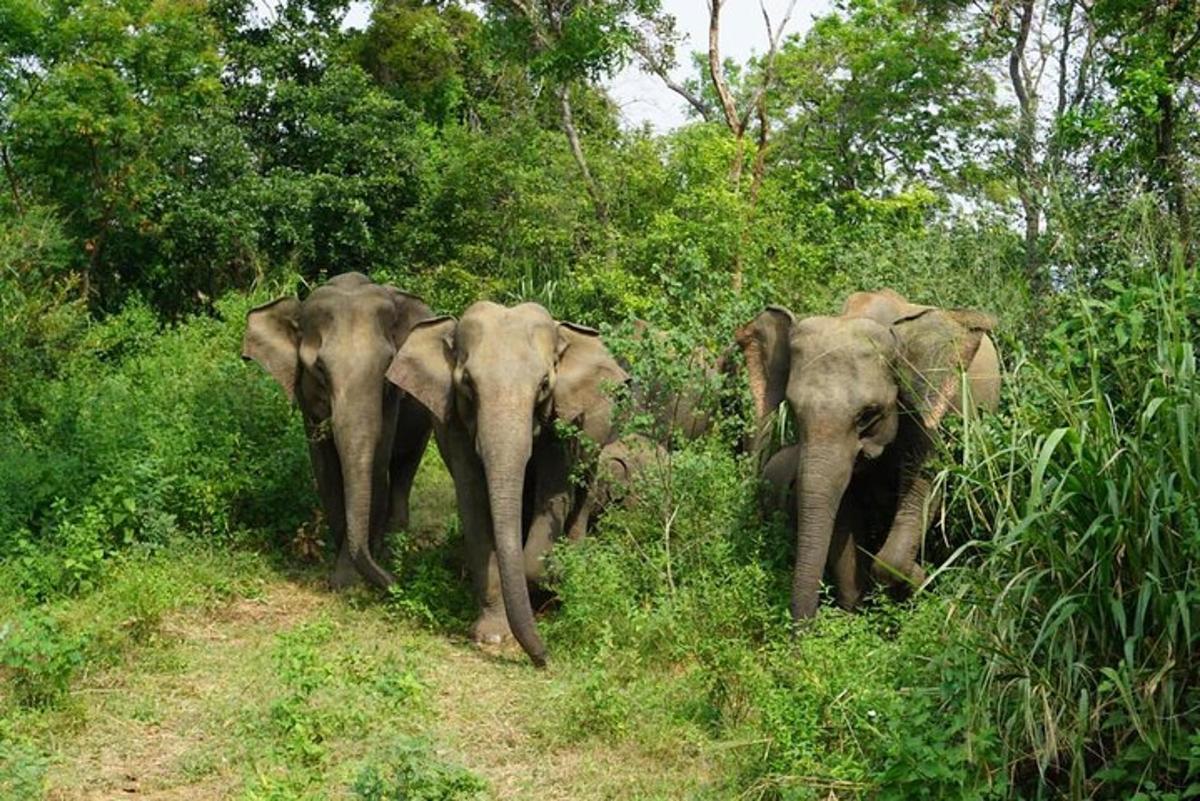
(505, 449)
(358, 429)
(822, 475)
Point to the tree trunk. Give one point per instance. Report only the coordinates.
(1029, 184)
(568, 123)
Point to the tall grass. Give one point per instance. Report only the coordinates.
(1087, 599)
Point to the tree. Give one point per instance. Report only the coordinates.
(568, 42)
(93, 96)
(877, 98)
(1152, 60)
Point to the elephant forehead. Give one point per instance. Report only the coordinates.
(835, 341)
(505, 338)
(336, 314)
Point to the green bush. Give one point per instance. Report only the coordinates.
(38, 658)
(1087, 598)
(150, 431)
(412, 771)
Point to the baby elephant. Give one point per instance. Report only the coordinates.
(869, 390)
(504, 386)
(365, 437)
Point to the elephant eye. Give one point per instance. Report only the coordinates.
(544, 387)
(867, 418)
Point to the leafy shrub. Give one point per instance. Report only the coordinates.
(38, 658)
(148, 432)
(22, 769)
(412, 771)
(1088, 599)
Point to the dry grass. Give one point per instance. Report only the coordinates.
(171, 723)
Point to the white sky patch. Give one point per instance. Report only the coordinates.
(644, 98)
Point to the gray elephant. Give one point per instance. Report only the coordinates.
(622, 468)
(498, 383)
(365, 437)
(869, 390)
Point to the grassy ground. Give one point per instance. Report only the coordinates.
(221, 675)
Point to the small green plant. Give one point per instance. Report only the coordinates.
(22, 769)
(38, 658)
(413, 771)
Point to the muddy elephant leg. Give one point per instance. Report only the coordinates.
(475, 522)
(412, 438)
(552, 501)
(328, 471)
(843, 558)
(896, 562)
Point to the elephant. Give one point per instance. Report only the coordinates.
(622, 466)
(499, 383)
(329, 352)
(868, 390)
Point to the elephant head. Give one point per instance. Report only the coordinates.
(502, 377)
(857, 387)
(330, 353)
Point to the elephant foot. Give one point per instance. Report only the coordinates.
(345, 574)
(894, 573)
(491, 628)
(849, 599)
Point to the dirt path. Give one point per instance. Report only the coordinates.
(211, 712)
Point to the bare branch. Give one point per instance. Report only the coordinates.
(1016, 69)
(568, 122)
(717, 72)
(655, 64)
(773, 38)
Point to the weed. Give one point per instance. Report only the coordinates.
(412, 771)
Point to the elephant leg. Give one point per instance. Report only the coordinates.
(412, 438)
(475, 522)
(577, 526)
(328, 471)
(843, 562)
(552, 502)
(896, 562)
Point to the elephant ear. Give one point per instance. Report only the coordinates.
(936, 347)
(424, 365)
(410, 310)
(588, 375)
(273, 340)
(765, 342)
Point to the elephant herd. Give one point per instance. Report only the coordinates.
(521, 405)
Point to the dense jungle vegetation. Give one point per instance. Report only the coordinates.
(169, 164)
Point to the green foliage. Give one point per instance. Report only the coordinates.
(22, 769)
(38, 658)
(889, 98)
(1087, 595)
(412, 771)
(149, 431)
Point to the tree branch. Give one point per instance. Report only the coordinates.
(773, 38)
(1186, 47)
(654, 64)
(568, 123)
(1016, 55)
(716, 70)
